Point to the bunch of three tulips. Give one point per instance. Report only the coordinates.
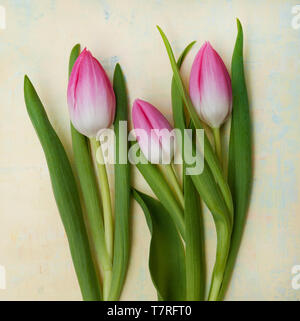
(92, 104)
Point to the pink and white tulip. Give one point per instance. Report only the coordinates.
(153, 132)
(91, 98)
(210, 87)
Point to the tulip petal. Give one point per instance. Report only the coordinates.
(153, 132)
(91, 98)
(210, 87)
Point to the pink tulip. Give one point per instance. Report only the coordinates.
(210, 87)
(91, 98)
(153, 132)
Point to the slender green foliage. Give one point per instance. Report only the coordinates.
(240, 154)
(194, 243)
(122, 190)
(65, 193)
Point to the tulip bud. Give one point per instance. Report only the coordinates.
(153, 132)
(91, 98)
(210, 87)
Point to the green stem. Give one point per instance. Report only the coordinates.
(107, 278)
(107, 210)
(172, 179)
(218, 145)
(223, 245)
(90, 194)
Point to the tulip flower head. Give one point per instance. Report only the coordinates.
(91, 98)
(153, 132)
(210, 87)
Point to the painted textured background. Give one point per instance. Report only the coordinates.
(37, 41)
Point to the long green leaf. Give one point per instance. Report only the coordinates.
(194, 242)
(65, 193)
(122, 190)
(89, 187)
(240, 153)
(166, 258)
(209, 154)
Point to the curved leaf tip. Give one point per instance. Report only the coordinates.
(239, 25)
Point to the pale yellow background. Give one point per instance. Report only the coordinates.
(37, 40)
